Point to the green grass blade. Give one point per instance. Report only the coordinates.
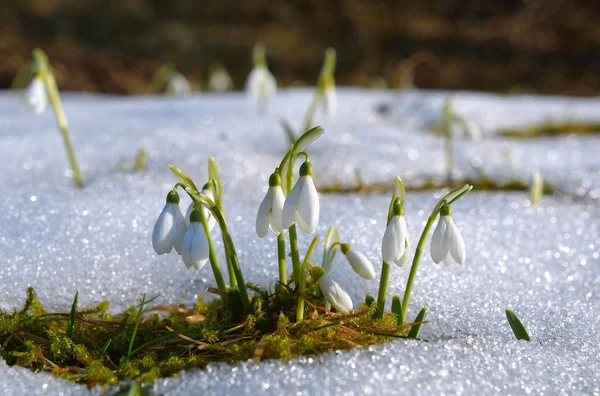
(369, 299)
(397, 308)
(104, 349)
(138, 319)
(289, 131)
(516, 326)
(416, 329)
(71, 325)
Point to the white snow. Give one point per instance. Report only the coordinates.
(542, 262)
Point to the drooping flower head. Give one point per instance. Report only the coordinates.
(260, 84)
(194, 247)
(332, 291)
(36, 97)
(395, 239)
(447, 243)
(271, 208)
(302, 203)
(210, 219)
(170, 226)
(178, 85)
(359, 262)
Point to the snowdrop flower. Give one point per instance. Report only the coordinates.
(194, 247)
(334, 294)
(210, 219)
(178, 85)
(270, 210)
(395, 238)
(302, 204)
(36, 97)
(330, 101)
(219, 79)
(360, 264)
(446, 243)
(170, 226)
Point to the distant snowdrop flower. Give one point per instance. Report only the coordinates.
(178, 85)
(170, 226)
(536, 190)
(302, 203)
(330, 101)
(36, 97)
(447, 243)
(219, 79)
(335, 295)
(393, 246)
(194, 247)
(359, 262)
(210, 219)
(271, 208)
(261, 84)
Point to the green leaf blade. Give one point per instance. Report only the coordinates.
(516, 326)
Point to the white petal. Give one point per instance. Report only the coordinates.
(290, 207)
(403, 235)
(439, 249)
(199, 251)
(360, 264)
(308, 204)
(164, 233)
(330, 102)
(404, 259)
(276, 210)
(447, 261)
(179, 225)
(456, 244)
(186, 243)
(35, 96)
(210, 219)
(336, 296)
(390, 245)
(253, 82)
(262, 217)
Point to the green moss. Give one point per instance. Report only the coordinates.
(97, 352)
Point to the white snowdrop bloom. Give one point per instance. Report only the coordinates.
(335, 295)
(393, 246)
(36, 97)
(447, 243)
(271, 208)
(194, 247)
(178, 85)
(261, 83)
(404, 259)
(330, 101)
(359, 262)
(220, 80)
(302, 203)
(170, 227)
(210, 219)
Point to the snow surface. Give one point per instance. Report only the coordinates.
(542, 262)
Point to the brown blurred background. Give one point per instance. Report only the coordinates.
(547, 46)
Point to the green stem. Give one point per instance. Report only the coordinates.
(415, 265)
(383, 284)
(295, 253)
(214, 263)
(449, 156)
(312, 110)
(43, 66)
(281, 258)
(302, 283)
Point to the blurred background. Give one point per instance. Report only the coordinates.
(116, 46)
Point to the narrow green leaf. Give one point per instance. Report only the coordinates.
(289, 131)
(140, 160)
(307, 138)
(132, 389)
(71, 325)
(369, 300)
(397, 308)
(416, 329)
(104, 349)
(183, 177)
(138, 319)
(516, 326)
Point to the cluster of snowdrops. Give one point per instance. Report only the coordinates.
(291, 202)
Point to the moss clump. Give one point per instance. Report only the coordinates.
(171, 339)
(483, 184)
(553, 129)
